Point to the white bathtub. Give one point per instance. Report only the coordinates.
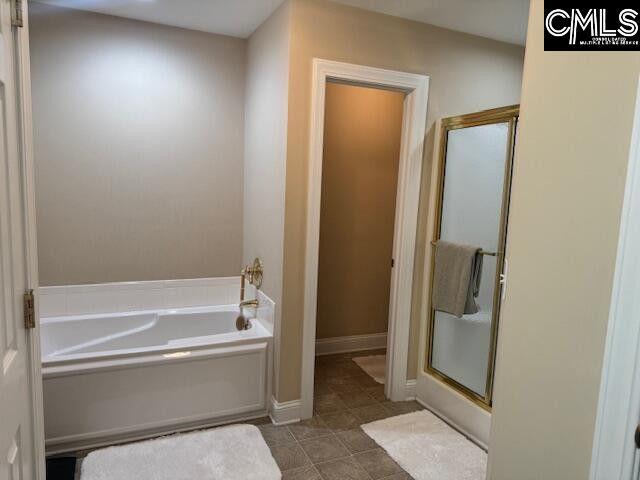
(121, 376)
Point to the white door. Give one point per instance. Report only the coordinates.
(616, 453)
(17, 460)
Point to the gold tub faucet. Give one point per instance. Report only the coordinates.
(253, 274)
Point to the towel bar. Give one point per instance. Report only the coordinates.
(482, 252)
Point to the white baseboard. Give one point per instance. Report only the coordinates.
(116, 437)
(285, 412)
(410, 390)
(354, 343)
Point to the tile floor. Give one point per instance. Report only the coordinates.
(331, 445)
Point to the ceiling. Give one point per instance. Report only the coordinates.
(238, 18)
(504, 20)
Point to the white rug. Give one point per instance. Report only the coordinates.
(427, 448)
(237, 452)
(374, 365)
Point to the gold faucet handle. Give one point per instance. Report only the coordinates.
(249, 303)
(254, 273)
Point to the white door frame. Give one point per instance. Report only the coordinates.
(416, 88)
(23, 90)
(614, 455)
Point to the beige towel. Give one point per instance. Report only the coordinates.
(456, 278)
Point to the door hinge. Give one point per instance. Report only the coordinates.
(29, 310)
(16, 13)
(393, 262)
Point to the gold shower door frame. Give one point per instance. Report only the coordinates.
(497, 115)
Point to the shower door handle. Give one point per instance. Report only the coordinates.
(503, 281)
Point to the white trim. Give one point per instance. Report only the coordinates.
(619, 405)
(119, 434)
(457, 410)
(452, 424)
(353, 343)
(113, 437)
(407, 201)
(286, 412)
(410, 390)
(23, 90)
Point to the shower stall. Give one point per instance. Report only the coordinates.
(472, 203)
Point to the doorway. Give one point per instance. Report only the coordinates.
(362, 131)
(329, 78)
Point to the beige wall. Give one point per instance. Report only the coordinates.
(138, 148)
(359, 184)
(265, 146)
(467, 74)
(568, 185)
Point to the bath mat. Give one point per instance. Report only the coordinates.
(374, 365)
(237, 452)
(427, 448)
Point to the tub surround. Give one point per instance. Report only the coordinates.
(133, 296)
(125, 361)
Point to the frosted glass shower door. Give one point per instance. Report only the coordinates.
(472, 196)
